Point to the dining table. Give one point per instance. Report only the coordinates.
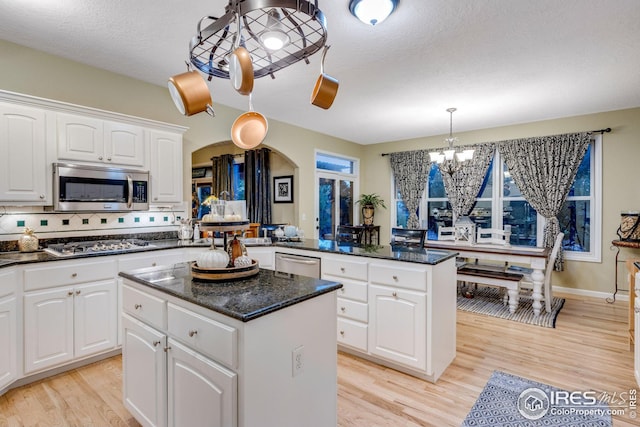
(536, 258)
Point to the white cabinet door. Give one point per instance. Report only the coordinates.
(8, 340)
(23, 162)
(144, 372)
(201, 392)
(398, 325)
(264, 255)
(48, 328)
(95, 317)
(165, 166)
(124, 144)
(80, 138)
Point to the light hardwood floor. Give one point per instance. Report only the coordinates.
(588, 350)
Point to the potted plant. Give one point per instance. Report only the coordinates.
(369, 203)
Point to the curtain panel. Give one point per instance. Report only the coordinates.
(463, 185)
(257, 177)
(222, 171)
(544, 168)
(410, 170)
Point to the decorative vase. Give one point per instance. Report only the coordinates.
(28, 242)
(367, 214)
(213, 258)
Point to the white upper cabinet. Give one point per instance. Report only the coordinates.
(89, 139)
(165, 167)
(23, 156)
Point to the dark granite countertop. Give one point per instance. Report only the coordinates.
(397, 253)
(244, 299)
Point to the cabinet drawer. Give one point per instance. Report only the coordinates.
(145, 307)
(51, 274)
(356, 291)
(353, 310)
(353, 334)
(396, 276)
(341, 267)
(213, 338)
(134, 261)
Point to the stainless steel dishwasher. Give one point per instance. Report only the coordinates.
(298, 264)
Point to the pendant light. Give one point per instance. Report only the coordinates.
(372, 12)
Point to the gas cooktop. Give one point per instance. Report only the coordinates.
(97, 246)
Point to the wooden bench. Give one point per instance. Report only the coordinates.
(494, 277)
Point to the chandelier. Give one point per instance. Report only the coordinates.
(451, 160)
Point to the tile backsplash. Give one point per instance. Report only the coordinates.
(13, 221)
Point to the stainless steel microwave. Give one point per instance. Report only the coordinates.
(102, 189)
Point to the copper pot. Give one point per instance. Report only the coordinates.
(190, 93)
(326, 87)
(240, 66)
(249, 129)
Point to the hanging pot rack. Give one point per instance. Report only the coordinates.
(303, 22)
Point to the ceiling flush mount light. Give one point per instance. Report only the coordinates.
(451, 159)
(274, 36)
(372, 12)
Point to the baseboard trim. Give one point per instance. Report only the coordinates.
(624, 296)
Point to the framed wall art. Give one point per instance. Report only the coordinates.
(283, 189)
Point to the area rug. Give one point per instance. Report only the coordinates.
(511, 401)
(488, 300)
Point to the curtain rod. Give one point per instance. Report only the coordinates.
(600, 131)
(234, 155)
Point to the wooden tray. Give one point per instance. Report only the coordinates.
(224, 274)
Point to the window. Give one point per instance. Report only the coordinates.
(503, 204)
(336, 187)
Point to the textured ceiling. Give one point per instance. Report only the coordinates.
(499, 62)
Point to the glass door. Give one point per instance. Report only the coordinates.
(334, 204)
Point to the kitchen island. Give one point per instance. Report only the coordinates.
(260, 351)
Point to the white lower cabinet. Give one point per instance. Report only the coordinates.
(264, 255)
(70, 311)
(200, 392)
(387, 310)
(167, 383)
(68, 322)
(8, 328)
(397, 325)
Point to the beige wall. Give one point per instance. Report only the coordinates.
(28, 71)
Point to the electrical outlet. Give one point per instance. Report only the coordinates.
(297, 360)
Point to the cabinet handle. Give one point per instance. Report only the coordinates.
(74, 275)
(342, 333)
(153, 264)
(343, 309)
(108, 159)
(192, 333)
(166, 349)
(99, 157)
(395, 278)
(42, 196)
(637, 310)
(70, 293)
(395, 294)
(78, 292)
(342, 269)
(137, 306)
(156, 343)
(343, 290)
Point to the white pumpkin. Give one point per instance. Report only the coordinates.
(213, 258)
(242, 261)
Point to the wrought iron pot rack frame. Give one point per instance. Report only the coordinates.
(303, 21)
